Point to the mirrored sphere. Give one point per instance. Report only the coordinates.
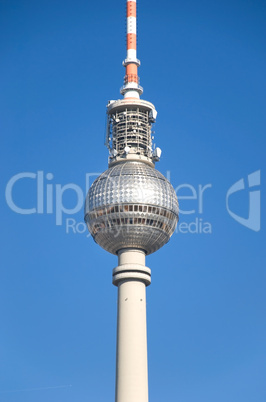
(131, 205)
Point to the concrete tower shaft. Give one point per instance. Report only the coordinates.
(131, 277)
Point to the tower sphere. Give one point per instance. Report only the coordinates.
(131, 205)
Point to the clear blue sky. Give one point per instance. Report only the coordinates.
(203, 66)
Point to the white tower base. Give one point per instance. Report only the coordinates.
(131, 276)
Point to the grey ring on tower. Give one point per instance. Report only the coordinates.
(131, 205)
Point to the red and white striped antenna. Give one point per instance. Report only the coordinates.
(131, 87)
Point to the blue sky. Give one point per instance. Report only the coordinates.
(203, 66)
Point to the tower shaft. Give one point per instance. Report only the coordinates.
(131, 277)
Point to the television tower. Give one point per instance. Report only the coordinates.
(131, 210)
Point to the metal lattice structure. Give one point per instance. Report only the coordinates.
(131, 128)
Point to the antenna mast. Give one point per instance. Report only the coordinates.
(131, 87)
